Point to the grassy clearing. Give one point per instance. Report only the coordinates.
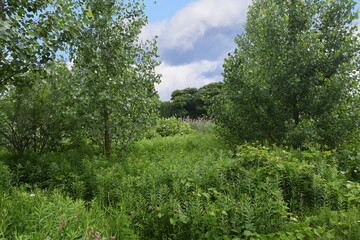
(182, 187)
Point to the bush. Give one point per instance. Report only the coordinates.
(169, 127)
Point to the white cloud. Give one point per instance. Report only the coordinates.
(194, 42)
(184, 76)
(192, 22)
(69, 65)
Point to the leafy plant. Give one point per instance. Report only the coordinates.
(169, 127)
(114, 74)
(34, 118)
(31, 34)
(292, 78)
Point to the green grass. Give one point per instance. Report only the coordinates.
(182, 187)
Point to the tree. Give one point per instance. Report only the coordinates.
(292, 79)
(33, 118)
(205, 96)
(191, 102)
(31, 32)
(114, 74)
(166, 109)
(184, 102)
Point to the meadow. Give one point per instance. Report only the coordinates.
(188, 185)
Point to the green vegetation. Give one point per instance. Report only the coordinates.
(190, 102)
(31, 33)
(293, 78)
(114, 75)
(182, 187)
(83, 155)
(169, 127)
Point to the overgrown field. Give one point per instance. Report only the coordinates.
(188, 186)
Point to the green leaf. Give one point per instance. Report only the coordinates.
(247, 233)
(206, 195)
(90, 15)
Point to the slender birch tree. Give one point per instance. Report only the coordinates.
(115, 74)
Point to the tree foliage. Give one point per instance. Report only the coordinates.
(34, 118)
(114, 87)
(293, 76)
(191, 102)
(31, 32)
(184, 102)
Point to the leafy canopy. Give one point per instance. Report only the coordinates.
(293, 76)
(31, 33)
(115, 74)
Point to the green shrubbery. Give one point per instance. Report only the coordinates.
(185, 187)
(35, 214)
(169, 127)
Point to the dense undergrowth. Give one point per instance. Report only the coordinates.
(188, 186)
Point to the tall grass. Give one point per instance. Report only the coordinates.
(200, 124)
(182, 187)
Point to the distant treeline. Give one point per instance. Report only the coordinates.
(190, 102)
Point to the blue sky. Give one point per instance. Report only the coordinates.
(194, 37)
(164, 9)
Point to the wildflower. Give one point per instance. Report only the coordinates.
(61, 224)
(112, 237)
(131, 213)
(105, 224)
(92, 231)
(32, 195)
(97, 236)
(240, 202)
(236, 212)
(233, 223)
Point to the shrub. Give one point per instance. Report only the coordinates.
(169, 127)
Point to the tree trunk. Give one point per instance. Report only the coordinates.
(107, 134)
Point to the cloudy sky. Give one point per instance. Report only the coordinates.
(194, 37)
